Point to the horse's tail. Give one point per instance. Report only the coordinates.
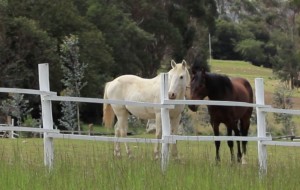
(108, 113)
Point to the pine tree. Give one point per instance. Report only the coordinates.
(73, 72)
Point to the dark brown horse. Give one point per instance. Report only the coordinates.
(222, 88)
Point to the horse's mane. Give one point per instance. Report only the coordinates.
(219, 86)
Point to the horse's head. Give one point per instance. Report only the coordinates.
(179, 80)
(198, 89)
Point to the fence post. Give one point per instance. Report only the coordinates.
(46, 114)
(261, 126)
(165, 121)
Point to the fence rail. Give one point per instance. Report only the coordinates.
(107, 101)
(28, 129)
(217, 138)
(215, 103)
(26, 91)
(107, 139)
(276, 110)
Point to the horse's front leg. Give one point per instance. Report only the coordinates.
(245, 124)
(122, 132)
(215, 126)
(158, 134)
(174, 130)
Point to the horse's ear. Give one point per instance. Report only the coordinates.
(173, 63)
(184, 64)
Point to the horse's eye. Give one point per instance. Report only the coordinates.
(181, 77)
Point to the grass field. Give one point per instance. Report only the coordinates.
(91, 165)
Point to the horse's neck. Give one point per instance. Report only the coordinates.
(182, 95)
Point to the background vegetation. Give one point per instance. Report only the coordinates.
(141, 37)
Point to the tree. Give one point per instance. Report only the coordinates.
(116, 37)
(73, 75)
(126, 39)
(282, 98)
(69, 110)
(23, 45)
(16, 106)
(286, 61)
(282, 20)
(227, 35)
(252, 51)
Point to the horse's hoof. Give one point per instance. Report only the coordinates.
(244, 161)
(117, 154)
(218, 161)
(130, 156)
(177, 159)
(232, 159)
(156, 157)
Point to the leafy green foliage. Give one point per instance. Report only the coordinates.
(266, 33)
(282, 98)
(16, 106)
(73, 81)
(226, 36)
(115, 37)
(23, 45)
(251, 50)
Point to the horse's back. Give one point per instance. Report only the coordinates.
(134, 88)
(242, 90)
(242, 93)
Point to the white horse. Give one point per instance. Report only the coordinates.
(134, 88)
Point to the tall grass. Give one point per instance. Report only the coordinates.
(91, 165)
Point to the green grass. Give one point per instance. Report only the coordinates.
(91, 165)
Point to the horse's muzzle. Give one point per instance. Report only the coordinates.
(172, 95)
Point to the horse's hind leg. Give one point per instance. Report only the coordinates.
(121, 131)
(230, 143)
(237, 133)
(245, 124)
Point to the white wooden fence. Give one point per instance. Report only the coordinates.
(49, 133)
